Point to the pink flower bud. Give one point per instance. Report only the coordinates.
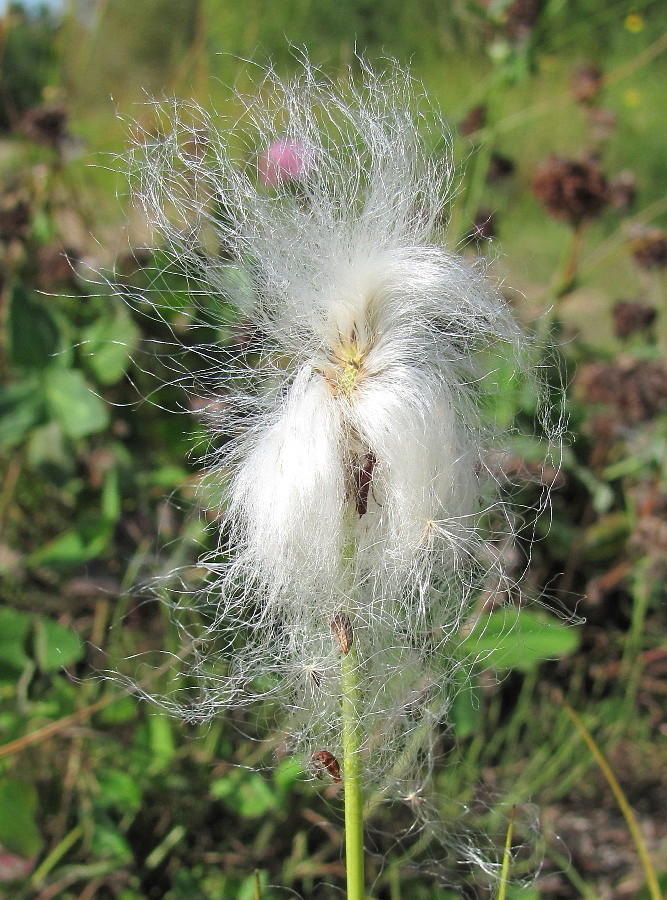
(285, 160)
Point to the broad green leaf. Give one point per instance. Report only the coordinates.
(55, 646)
(72, 403)
(33, 334)
(14, 629)
(18, 829)
(108, 345)
(518, 639)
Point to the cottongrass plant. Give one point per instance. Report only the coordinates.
(357, 515)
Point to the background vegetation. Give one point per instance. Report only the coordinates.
(558, 107)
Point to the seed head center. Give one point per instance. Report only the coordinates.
(350, 360)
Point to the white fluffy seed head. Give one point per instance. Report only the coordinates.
(357, 450)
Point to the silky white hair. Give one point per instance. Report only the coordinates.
(352, 448)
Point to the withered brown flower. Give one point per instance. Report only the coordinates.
(623, 190)
(636, 389)
(484, 226)
(500, 167)
(631, 316)
(570, 189)
(473, 120)
(586, 82)
(45, 124)
(649, 248)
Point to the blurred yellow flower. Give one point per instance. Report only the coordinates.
(634, 22)
(632, 98)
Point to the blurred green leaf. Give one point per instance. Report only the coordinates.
(75, 546)
(119, 712)
(32, 332)
(21, 409)
(50, 453)
(107, 842)
(14, 629)
(111, 499)
(605, 538)
(518, 639)
(108, 345)
(55, 646)
(73, 404)
(161, 741)
(466, 711)
(167, 477)
(645, 893)
(518, 892)
(18, 828)
(287, 773)
(248, 888)
(118, 790)
(245, 793)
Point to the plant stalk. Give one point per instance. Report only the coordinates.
(649, 872)
(352, 777)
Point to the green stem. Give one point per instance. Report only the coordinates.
(644, 858)
(507, 855)
(352, 777)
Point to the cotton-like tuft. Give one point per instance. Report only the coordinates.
(353, 448)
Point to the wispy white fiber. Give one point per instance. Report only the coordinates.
(354, 451)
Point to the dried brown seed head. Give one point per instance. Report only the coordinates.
(586, 82)
(484, 226)
(473, 120)
(500, 168)
(649, 249)
(46, 123)
(623, 190)
(632, 316)
(570, 189)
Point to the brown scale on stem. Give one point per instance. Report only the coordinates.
(341, 628)
(362, 476)
(324, 759)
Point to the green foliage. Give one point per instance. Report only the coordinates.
(28, 62)
(518, 639)
(245, 793)
(24, 637)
